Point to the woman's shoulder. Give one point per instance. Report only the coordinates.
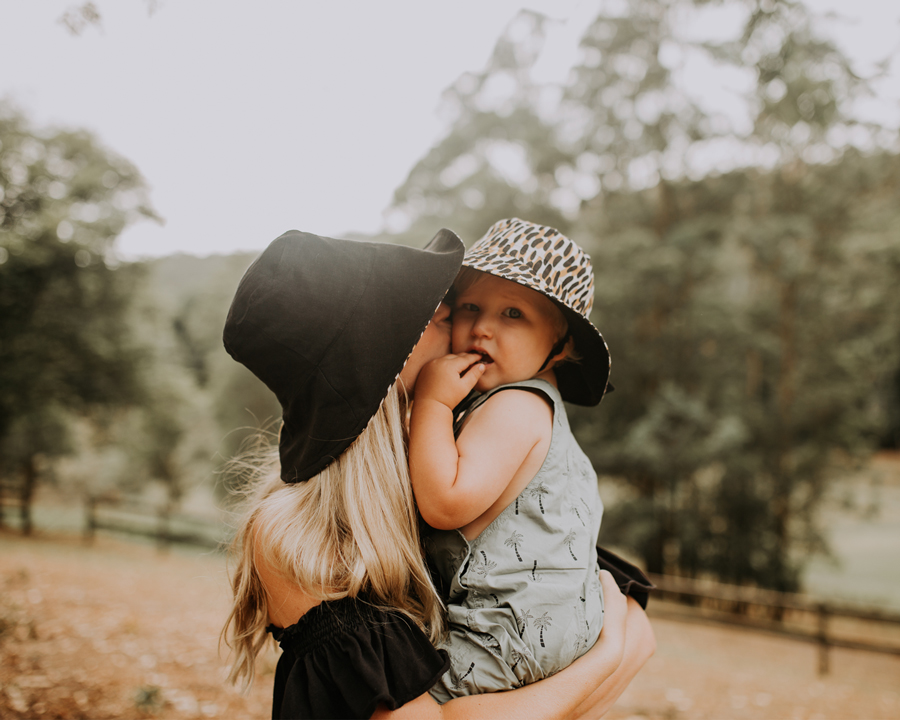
(287, 602)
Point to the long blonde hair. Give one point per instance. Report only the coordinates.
(350, 530)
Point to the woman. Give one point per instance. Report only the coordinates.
(329, 553)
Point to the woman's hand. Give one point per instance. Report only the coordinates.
(615, 619)
(640, 644)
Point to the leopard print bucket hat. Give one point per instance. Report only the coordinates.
(543, 259)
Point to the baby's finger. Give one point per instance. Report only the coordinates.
(461, 361)
(467, 357)
(472, 374)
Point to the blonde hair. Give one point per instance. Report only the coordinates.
(350, 530)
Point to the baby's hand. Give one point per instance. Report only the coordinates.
(449, 379)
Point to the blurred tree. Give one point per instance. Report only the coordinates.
(78, 18)
(500, 156)
(64, 340)
(730, 268)
(738, 400)
(626, 119)
(190, 298)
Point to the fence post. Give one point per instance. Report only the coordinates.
(163, 538)
(823, 638)
(90, 519)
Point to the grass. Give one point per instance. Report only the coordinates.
(864, 541)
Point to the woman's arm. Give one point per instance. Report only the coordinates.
(640, 644)
(578, 691)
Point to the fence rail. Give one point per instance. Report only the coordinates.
(160, 522)
(14, 497)
(827, 624)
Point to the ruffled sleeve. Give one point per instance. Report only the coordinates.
(345, 657)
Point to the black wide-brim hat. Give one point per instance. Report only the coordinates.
(328, 325)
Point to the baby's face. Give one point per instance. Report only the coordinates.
(513, 327)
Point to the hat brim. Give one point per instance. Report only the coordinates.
(587, 381)
(328, 325)
(385, 350)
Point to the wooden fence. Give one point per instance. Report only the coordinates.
(162, 523)
(827, 624)
(14, 497)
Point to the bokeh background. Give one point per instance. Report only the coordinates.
(731, 166)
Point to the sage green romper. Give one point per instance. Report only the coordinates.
(524, 597)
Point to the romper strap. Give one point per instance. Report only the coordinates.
(474, 400)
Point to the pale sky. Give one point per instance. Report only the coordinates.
(248, 119)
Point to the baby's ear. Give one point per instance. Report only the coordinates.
(567, 354)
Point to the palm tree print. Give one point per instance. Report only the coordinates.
(513, 542)
(534, 575)
(523, 618)
(578, 514)
(569, 540)
(460, 682)
(539, 491)
(579, 639)
(516, 657)
(484, 568)
(542, 623)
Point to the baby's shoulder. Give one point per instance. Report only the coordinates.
(524, 397)
(516, 408)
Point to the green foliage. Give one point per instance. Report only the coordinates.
(218, 404)
(64, 340)
(753, 334)
(745, 270)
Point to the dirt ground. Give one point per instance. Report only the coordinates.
(119, 630)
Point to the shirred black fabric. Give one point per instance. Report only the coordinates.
(344, 657)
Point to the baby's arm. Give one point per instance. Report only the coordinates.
(456, 481)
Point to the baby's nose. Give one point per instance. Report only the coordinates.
(482, 327)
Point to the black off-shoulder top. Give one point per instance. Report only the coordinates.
(344, 657)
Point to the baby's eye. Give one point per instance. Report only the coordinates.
(513, 313)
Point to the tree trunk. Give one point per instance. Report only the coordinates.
(29, 483)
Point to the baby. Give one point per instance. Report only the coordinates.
(511, 496)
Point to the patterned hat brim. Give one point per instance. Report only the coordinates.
(583, 383)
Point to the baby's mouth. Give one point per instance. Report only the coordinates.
(485, 358)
